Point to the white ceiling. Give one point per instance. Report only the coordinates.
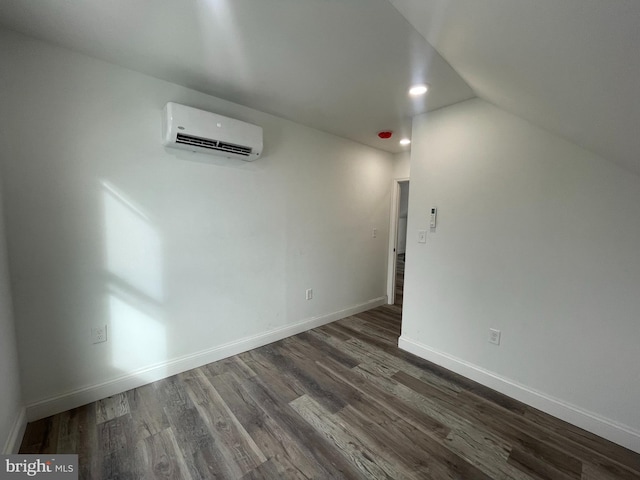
(344, 66)
(569, 66)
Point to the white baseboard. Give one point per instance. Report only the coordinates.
(12, 444)
(592, 422)
(91, 393)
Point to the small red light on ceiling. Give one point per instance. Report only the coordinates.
(385, 134)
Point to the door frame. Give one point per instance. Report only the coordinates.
(393, 238)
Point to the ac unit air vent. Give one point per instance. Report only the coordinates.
(230, 147)
(213, 144)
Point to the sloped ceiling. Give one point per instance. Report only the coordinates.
(569, 66)
(344, 66)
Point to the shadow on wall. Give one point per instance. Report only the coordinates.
(134, 287)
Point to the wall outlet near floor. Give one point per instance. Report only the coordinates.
(99, 334)
(309, 294)
(494, 336)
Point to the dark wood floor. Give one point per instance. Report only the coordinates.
(340, 401)
(399, 279)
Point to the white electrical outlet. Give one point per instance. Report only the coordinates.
(422, 236)
(494, 336)
(309, 294)
(99, 334)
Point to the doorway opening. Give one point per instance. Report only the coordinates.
(397, 241)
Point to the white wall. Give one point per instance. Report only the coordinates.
(401, 164)
(540, 239)
(12, 419)
(186, 257)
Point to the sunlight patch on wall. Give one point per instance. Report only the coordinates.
(138, 339)
(134, 285)
(133, 245)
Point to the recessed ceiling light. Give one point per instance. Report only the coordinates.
(418, 90)
(405, 141)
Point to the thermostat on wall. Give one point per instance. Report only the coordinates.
(434, 213)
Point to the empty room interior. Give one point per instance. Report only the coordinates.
(321, 238)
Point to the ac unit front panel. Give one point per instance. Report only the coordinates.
(196, 130)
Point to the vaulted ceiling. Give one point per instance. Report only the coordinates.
(344, 66)
(569, 66)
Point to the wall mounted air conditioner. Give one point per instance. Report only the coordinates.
(199, 131)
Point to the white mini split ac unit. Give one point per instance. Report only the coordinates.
(199, 131)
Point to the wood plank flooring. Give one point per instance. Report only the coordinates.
(340, 401)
